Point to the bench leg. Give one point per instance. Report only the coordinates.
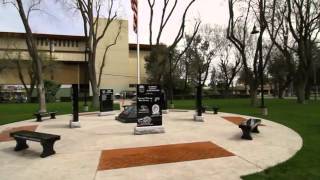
(255, 130)
(53, 116)
(47, 149)
(21, 144)
(39, 119)
(246, 134)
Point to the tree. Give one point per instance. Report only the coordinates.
(200, 54)
(240, 37)
(279, 72)
(285, 46)
(166, 15)
(228, 70)
(15, 60)
(91, 12)
(244, 79)
(303, 18)
(157, 64)
(213, 79)
(32, 47)
(51, 88)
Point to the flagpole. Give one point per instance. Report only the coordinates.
(138, 45)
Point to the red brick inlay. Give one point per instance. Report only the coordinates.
(5, 135)
(141, 156)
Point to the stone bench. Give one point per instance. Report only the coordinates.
(46, 140)
(248, 126)
(39, 115)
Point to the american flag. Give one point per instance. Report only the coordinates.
(134, 7)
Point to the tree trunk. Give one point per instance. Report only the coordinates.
(95, 97)
(253, 95)
(308, 90)
(300, 92)
(93, 80)
(226, 92)
(33, 51)
(301, 81)
(281, 92)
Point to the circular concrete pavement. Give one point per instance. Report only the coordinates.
(79, 150)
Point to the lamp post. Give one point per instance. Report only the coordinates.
(264, 109)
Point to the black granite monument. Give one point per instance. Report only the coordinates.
(106, 100)
(128, 115)
(149, 105)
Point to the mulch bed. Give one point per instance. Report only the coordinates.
(5, 135)
(141, 156)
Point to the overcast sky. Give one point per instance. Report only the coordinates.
(57, 19)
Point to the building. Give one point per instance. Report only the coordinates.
(65, 60)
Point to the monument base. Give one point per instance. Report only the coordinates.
(106, 113)
(75, 124)
(165, 111)
(149, 130)
(198, 118)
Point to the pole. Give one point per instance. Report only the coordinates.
(171, 84)
(138, 45)
(138, 57)
(86, 61)
(75, 102)
(261, 74)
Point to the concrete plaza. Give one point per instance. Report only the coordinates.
(78, 152)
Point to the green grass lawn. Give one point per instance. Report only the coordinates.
(16, 112)
(304, 119)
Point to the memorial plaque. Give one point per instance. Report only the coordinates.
(149, 105)
(106, 100)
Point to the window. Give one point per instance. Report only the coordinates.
(72, 43)
(64, 43)
(77, 43)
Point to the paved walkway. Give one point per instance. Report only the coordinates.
(79, 150)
